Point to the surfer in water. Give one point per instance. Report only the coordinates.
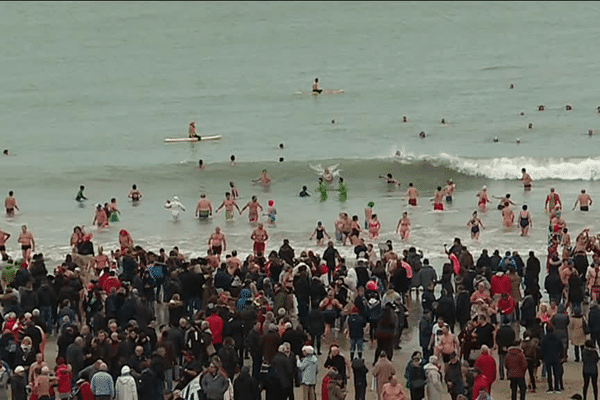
(315, 87)
(135, 195)
(80, 196)
(192, 131)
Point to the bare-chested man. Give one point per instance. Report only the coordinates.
(526, 179)
(234, 192)
(264, 178)
(339, 226)
(3, 238)
(217, 243)
(584, 200)
(253, 206)
(99, 262)
(438, 198)
(388, 178)
(412, 194)
(504, 200)
(483, 199)
(259, 236)
(27, 243)
(229, 205)
(204, 207)
(134, 194)
(10, 203)
(449, 190)
(233, 263)
(553, 202)
(508, 215)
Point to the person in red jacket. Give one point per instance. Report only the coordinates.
(487, 364)
(85, 390)
(516, 366)
(64, 375)
(500, 283)
(480, 382)
(215, 323)
(506, 306)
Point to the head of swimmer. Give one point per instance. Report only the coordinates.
(227, 195)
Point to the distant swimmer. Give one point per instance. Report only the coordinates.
(343, 190)
(253, 206)
(280, 159)
(175, 206)
(264, 178)
(281, 147)
(508, 215)
(404, 119)
(388, 178)
(232, 159)
(374, 227)
(304, 192)
(3, 238)
(233, 190)
(134, 194)
(271, 212)
(259, 236)
(476, 225)
(590, 132)
(422, 135)
(568, 107)
(203, 208)
(320, 232)
(522, 114)
(80, 196)
(449, 190)
(229, 205)
(496, 139)
(114, 210)
(541, 107)
(553, 202)
(201, 165)
(483, 198)
(100, 217)
(438, 196)
(530, 126)
(368, 213)
(322, 189)
(518, 141)
(584, 200)
(511, 86)
(526, 179)
(192, 131)
(598, 109)
(315, 86)
(403, 227)
(504, 200)
(333, 121)
(443, 121)
(217, 243)
(5, 152)
(525, 221)
(10, 203)
(27, 243)
(411, 194)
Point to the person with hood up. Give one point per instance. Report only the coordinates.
(125, 387)
(516, 366)
(433, 388)
(245, 387)
(175, 206)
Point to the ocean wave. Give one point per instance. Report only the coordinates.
(504, 168)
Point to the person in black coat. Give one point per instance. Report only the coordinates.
(245, 387)
(229, 357)
(505, 337)
(553, 285)
(151, 386)
(285, 373)
(446, 309)
(359, 371)
(463, 307)
(552, 350)
(316, 328)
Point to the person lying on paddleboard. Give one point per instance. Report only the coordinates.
(315, 86)
(192, 131)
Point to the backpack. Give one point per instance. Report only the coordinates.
(374, 310)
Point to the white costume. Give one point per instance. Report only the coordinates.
(175, 206)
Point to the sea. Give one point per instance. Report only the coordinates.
(90, 90)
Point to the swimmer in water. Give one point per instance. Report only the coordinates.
(200, 165)
(253, 205)
(304, 192)
(483, 199)
(321, 233)
(422, 135)
(522, 114)
(412, 194)
(476, 225)
(374, 227)
(281, 147)
(568, 107)
(496, 139)
(271, 213)
(234, 192)
(113, 210)
(404, 119)
(525, 220)
(333, 121)
(504, 200)
(449, 190)
(229, 205)
(135, 195)
(388, 178)
(530, 126)
(263, 179)
(508, 216)
(10, 204)
(175, 206)
(518, 141)
(343, 189)
(368, 213)
(511, 86)
(203, 208)
(443, 121)
(438, 205)
(80, 196)
(590, 132)
(584, 200)
(5, 152)
(100, 218)
(403, 227)
(541, 107)
(280, 159)
(526, 179)
(232, 158)
(322, 189)
(315, 87)
(192, 131)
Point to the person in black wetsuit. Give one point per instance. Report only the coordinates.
(315, 86)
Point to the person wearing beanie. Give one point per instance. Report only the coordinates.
(308, 366)
(125, 387)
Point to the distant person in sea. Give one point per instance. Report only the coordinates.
(449, 190)
(253, 206)
(343, 190)
(113, 210)
(320, 232)
(403, 227)
(322, 189)
(525, 220)
(526, 179)
(584, 200)
(134, 194)
(203, 208)
(281, 159)
(476, 225)
(443, 121)
(496, 140)
(315, 87)
(100, 217)
(10, 203)
(511, 86)
(590, 133)
(264, 178)
(192, 131)
(200, 165)
(5, 152)
(508, 215)
(233, 190)
(80, 196)
(175, 206)
(388, 178)
(229, 204)
(568, 107)
(27, 243)
(553, 202)
(232, 159)
(304, 192)
(438, 196)
(281, 146)
(404, 119)
(530, 126)
(483, 198)
(422, 135)
(412, 194)
(541, 107)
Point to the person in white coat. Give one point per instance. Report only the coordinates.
(125, 388)
(175, 206)
(433, 388)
